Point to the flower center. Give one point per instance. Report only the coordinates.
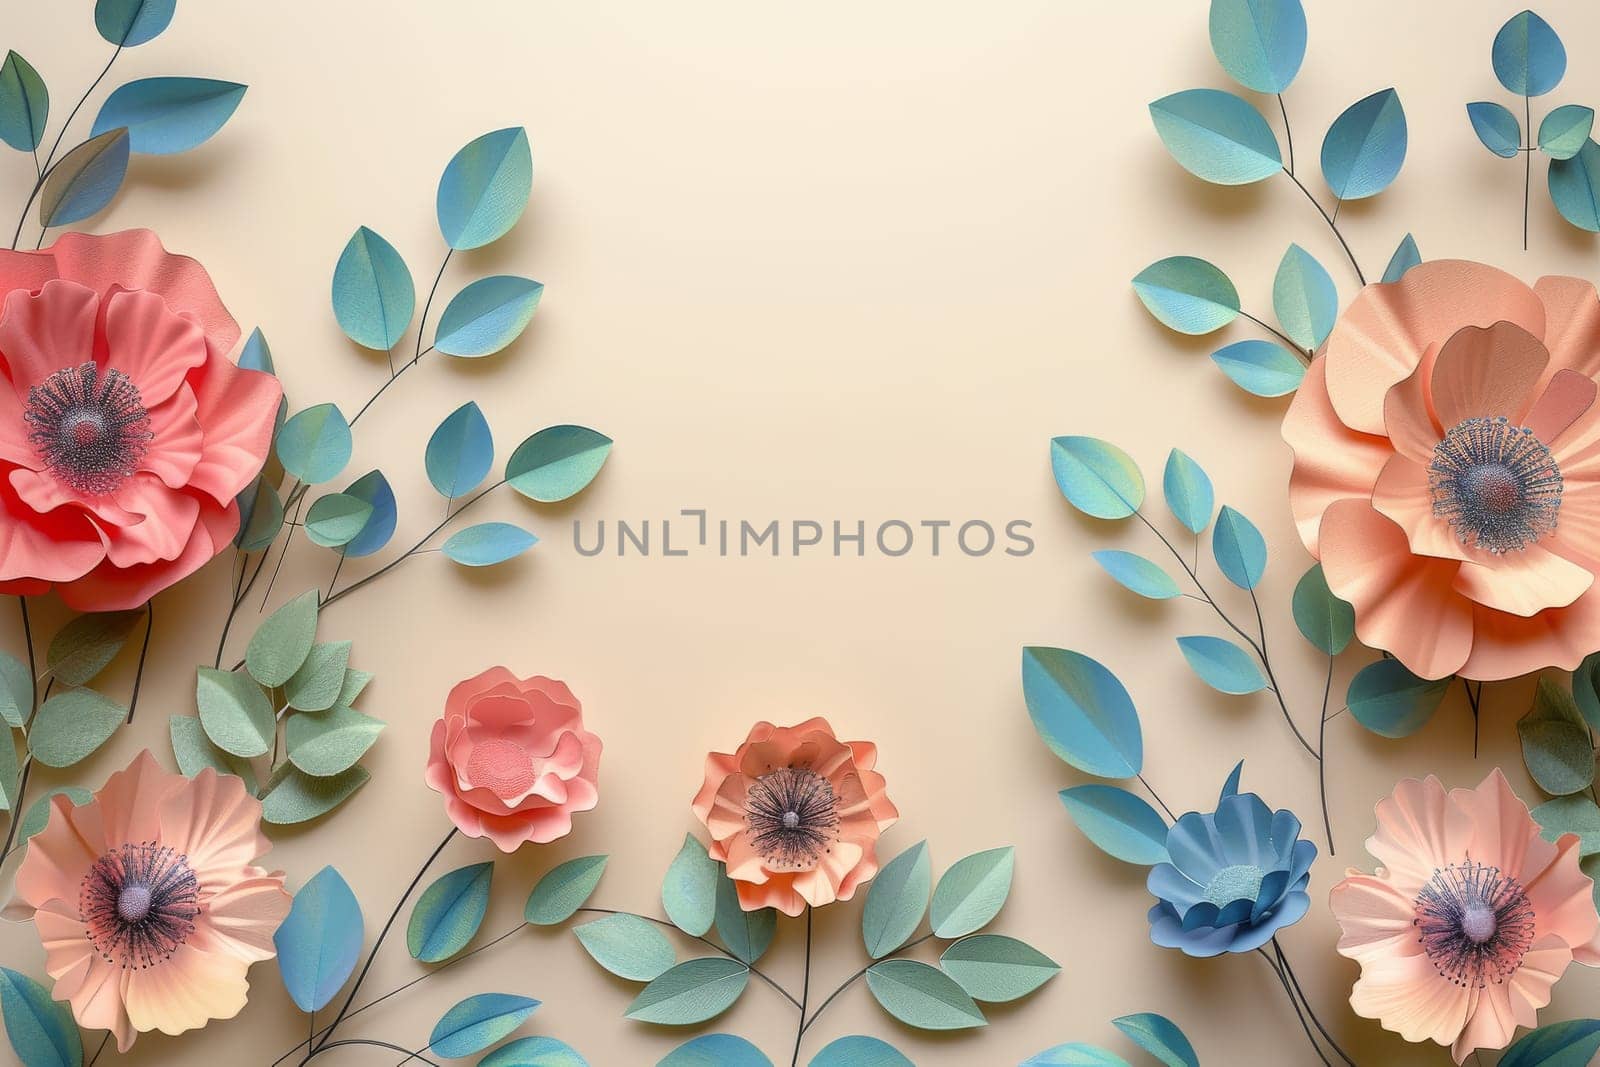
(1239, 882)
(502, 765)
(139, 903)
(1495, 484)
(793, 817)
(90, 428)
(1475, 924)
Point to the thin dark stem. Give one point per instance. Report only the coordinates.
(1322, 761)
(1157, 797)
(1283, 962)
(44, 172)
(418, 353)
(854, 978)
(16, 808)
(241, 592)
(1474, 701)
(287, 541)
(427, 305)
(805, 995)
(337, 567)
(102, 1047)
(1295, 1003)
(1360, 277)
(373, 1043)
(144, 654)
(1527, 168)
(1288, 134)
(413, 550)
(27, 637)
(1279, 334)
(703, 940)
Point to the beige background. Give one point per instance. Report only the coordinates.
(826, 261)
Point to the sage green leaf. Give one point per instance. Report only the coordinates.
(1575, 814)
(38, 813)
(1239, 549)
(86, 646)
(84, 180)
(1585, 688)
(264, 521)
(336, 519)
(715, 1050)
(1188, 490)
(896, 901)
(1571, 1043)
(487, 316)
(1222, 665)
(860, 1051)
(485, 188)
(1322, 618)
(1304, 298)
(1082, 712)
(317, 685)
(1119, 823)
(327, 743)
(282, 643)
(691, 992)
(295, 797)
(71, 725)
(449, 913)
(1160, 1037)
(236, 714)
(1096, 477)
(24, 104)
(972, 892)
(1216, 136)
(355, 683)
(315, 444)
(563, 890)
(557, 462)
(1556, 744)
(41, 1029)
(689, 891)
(1390, 701)
(1564, 131)
(1575, 187)
(922, 996)
(1260, 368)
(16, 690)
(1406, 255)
(10, 772)
(478, 1022)
(195, 752)
(373, 294)
(628, 946)
(537, 1051)
(746, 934)
(996, 969)
(1137, 575)
(1187, 294)
(1075, 1054)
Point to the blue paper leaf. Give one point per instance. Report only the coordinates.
(1118, 822)
(449, 913)
(41, 1030)
(320, 941)
(1260, 368)
(373, 295)
(128, 23)
(1096, 477)
(314, 445)
(1571, 1043)
(487, 315)
(1260, 43)
(168, 115)
(1323, 619)
(485, 188)
(1217, 136)
(558, 462)
(1160, 1037)
(1405, 257)
(1082, 712)
(1230, 788)
(488, 543)
(1187, 294)
(478, 1022)
(1528, 57)
(460, 452)
(534, 1052)
(85, 180)
(24, 104)
(1304, 298)
(1564, 131)
(334, 520)
(1496, 127)
(256, 354)
(1137, 574)
(1365, 147)
(1573, 187)
(1188, 491)
(859, 1051)
(1075, 1054)
(716, 1050)
(1239, 549)
(1222, 665)
(691, 992)
(374, 488)
(1390, 701)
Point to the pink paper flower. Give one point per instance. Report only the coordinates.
(148, 902)
(125, 431)
(1471, 920)
(513, 760)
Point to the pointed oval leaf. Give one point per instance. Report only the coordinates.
(70, 726)
(557, 462)
(373, 294)
(1260, 368)
(487, 315)
(282, 643)
(168, 115)
(1239, 549)
(16, 690)
(38, 813)
(329, 743)
(1323, 619)
(1096, 477)
(1585, 688)
(316, 686)
(1217, 136)
(449, 913)
(563, 890)
(336, 519)
(715, 1050)
(460, 452)
(1304, 298)
(1159, 1036)
(746, 934)
(478, 1022)
(236, 714)
(1075, 1054)
(261, 520)
(1497, 128)
(485, 188)
(1572, 1043)
(997, 969)
(689, 891)
(1082, 712)
(24, 104)
(1135, 573)
(922, 996)
(41, 1030)
(84, 647)
(295, 797)
(1390, 701)
(85, 180)
(1222, 665)
(194, 751)
(373, 488)
(320, 941)
(691, 992)
(256, 354)
(1260, 43)
(1365, 147)
(896, 901)
(1188, 491)
(1405, 257)
(1119, 823)
(1575, 187)
(1528, 56)
(1564, 131)
(1230, 788)
(1187, 294)
(534, 1052)
(129, 23)
(488, 544)
(860, 1051)
(314, 445)
(1556, 744)
(627, 946)
(971, 893)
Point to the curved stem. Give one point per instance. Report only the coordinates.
(1157, 797)
(1279, 334)
(418, 353)
(372, 1043)
(1475, 700)
(1322, 761)
(854, 978)
(44, 171)
(102, 1047)
(1295, 1003)
(1360, 277)
(414, 549)
(805, 995)
(144, 654)
(703, 940)
(1283, 963)
(1288, 134)
(1527, 168)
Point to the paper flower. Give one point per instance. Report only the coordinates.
(1234, 879)
(147, 900)
(125, 431)
(513, 760)
(1471, 919)
(1447, 469)
(795, 813)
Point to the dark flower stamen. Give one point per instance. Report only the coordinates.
(90, 427)
(1495, 483)
(139, 903)
(1474, 923)
(793, 816)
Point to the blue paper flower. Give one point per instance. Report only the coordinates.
(1236, 877)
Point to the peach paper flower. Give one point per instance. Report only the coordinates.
(1471, 920)
(1447, 469)
(125, 431)
(148, 902)
(795, 813)
(513, 760)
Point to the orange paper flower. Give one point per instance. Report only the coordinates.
(795, 813)
(1471, 920)
(1447, 469)
(513, 760)
(148, 902)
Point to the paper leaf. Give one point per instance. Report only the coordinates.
(1075, 1054)
(478, 1022)
(449, 913)
(260, 518)
(860, 1051)
(971, 893)
(922, 996)
(996, 969)
(128, 23)
(373, 488)
(1188, 491)
(1135, 573)
(1096, 477)
(296, 797)
(85, 180)
(1556, 743)
(38, 813)
(460, 452)
(691, 992)
(194, 751)
(1187, 294)
(282, 643)
(487, 316)
(320, 679)
(1390, 701)
(86, 646)
(373, 294)
(557, 462)
(329, 743)
(627, 946)
(485, 188)
(534, 1052)
(1260, 368)
(1239, 549)
(1528, 57)
(1160, 1037)
(1119, 823)
(1260, 43)
(1497, 128)
(24, 104)
(1585, 688)
(1563, 132)
(10, 773)
(41, 1030)
(1576, 814)
(689, 890)
(320, 941)
(314, 445)
(1573, 187)
(71, 725)
(715, 1050)
(1323, 619)
(1304, 298)
(1405, 257)
(256, 354)
(1222, 665)
(1572, 1043)
(488, 543)
(896, 901)
(1365, 147)
(236, 714)
(16, 690)
(563, 890)
(1217, 136)
(1082, 712)
(336, 519)
(746, 934)
(168, 115)
(355, 682)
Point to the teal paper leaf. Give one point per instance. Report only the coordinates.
(627, 946)
(1365, 147)
(1075, 1054)
(689, 890)
(1188, 491)
(746, 934)
(1390, 701)
(1159, 1036)
(488, 544)
(860, 1051)
(1239, 549)
(320, 941)
(460, 452)
(1556, 744)
(1573, 187)
(1096, 477)
(449, 913)
(38, 813)
(1585, 688)
(1575, 814)
(537, 1051)
(1187, 294)
(1304, 299)
(1222, 665)
(478, 1022)
(1528, 56)
(41, 1029)
(256, 354)
(336, 519)
(1322, 618)
(1217, 136)
(691, 992)
(922, 996)
(24, 104)
(1260, 43)
(487, 315)
(1405, 257)
(168, 115)
(1260, 368)
(563, 890)
(997, 969)
(373, 294)
(282, 643)
(1572, 1043)
(373, 488)
(485, 188)
(1135, 573)
(129, 23)
(315, 444)
(326, 744)
(10, 773)
(85, 180)
(558, 462)
(70, 726)
(1497, 128)
(715, 1050)
(236, 714)
(971, 893)
(1565, 130)
(260, 517)
(295, 797)
(896, 901)
(1082, 712)
(1119, 823)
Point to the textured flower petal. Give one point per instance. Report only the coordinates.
(110, 588)
(236, 408)
(58, 857)
(155, 348)
(1402, 496)
(243, 915)
(1408, 996)
(1564, 401)
(55, 547)
(92, 986)
(1563, 901)
(1375, 918)
(1498, 1009)
(1572, 323)
(1420, 829)
(196, 985)
(1408, 415)
(1331, 461)
(42, 332)
(166, 522)
(176, 439)
(1524, 582)
(1508, 646)
(217, 824)
(16, 446)
(1486, 371)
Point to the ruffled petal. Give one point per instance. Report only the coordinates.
(237, 409)
(217, 824)
(56, 547)
(1563, 901)
(1419, 831)
(1565, 400)
(176, 439)
(1375, 919)
(155, 348)
(1509, 646)
(111, 588)
(1408, 996)
(1489, 371)
(1524, 582)
(1572, 324)
(40, 333)
(1331, 461)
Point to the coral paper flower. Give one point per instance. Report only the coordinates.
(1447, 469)
(795, 813)
(513, 760)
(1471, 920)
(125, 431)
(1235, 878)
(148, 902)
